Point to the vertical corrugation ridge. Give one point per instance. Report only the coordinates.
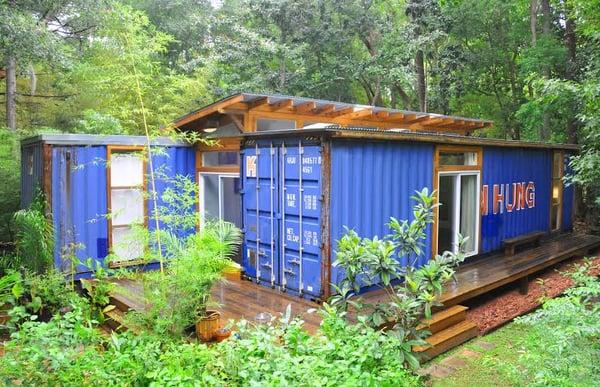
(372, 181)
(513, 165)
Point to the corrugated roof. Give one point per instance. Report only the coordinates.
(98, 139)
(392, 135)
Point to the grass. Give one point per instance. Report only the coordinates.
(498, 366)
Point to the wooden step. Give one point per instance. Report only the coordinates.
(115, 319)
(105, 330)
(444, 319)
(447, 339)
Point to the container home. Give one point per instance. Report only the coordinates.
(97, 190)
(302, 188)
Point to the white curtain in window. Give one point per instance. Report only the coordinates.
(468, 210)
(127, 206)
(126, 170)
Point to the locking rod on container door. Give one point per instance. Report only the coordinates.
(301, 201)
(283, 234)
(272, 216)
(257, 216)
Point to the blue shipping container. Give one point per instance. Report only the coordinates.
(301, 193)
(78, 193)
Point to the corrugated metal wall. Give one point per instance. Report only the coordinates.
(32, 171)
(515, 165)
(79, 204)
(79, 197)
(372, 181)
(168, 163)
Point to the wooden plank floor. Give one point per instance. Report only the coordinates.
(235, 299)
(239, 299)
(485, 274)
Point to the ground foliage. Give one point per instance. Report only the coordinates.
(556, 345)
(69, 350)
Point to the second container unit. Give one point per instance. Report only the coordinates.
(302, 189)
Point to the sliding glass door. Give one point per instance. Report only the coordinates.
(220, 198)
(459, 211)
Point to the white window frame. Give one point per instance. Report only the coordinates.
(201, 188)
(456, 226)
(114, 150)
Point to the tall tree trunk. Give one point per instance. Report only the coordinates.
(571, 68)
(11, 93)
(546, 131)
(533, 21)
(421, 85)
(547, 20)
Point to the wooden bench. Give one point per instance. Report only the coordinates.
(511, 244)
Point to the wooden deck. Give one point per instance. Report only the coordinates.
(239, 299)
(235, 299)
(488, 273)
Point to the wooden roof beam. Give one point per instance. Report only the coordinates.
(397, 117)
(341, 112)
(257, 102)
(284, 104)
(325, 109)
(305, 107)
(438, 122)
(382, 114)
(417, 119)
(363, 113)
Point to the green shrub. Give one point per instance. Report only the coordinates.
(410, 292)
(562, 347)
(68, 351)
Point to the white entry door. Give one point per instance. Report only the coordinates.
(459, 211)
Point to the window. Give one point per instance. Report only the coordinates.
(220, 159)
(220, 197)
(557, 190)
(458, 158)
(459, 211)
(263, 124)
(126, 203)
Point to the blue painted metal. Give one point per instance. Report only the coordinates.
(568, 199)
(79, 198)
(79, 204)
(515, 165)
(373, 181)
(170, 164)
(281, 211)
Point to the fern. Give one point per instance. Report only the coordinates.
(34, 237)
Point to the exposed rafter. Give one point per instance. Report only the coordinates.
(364, 113)
(325, 109)
(258, 102)
(341, 112)
(284, 104)
(417, 119)
(305, 107)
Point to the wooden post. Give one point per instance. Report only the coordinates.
(524, 285)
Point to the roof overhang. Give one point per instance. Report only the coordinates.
(335, 111)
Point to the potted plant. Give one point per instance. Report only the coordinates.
(179, 299)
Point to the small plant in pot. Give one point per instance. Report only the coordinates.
(180, 298)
